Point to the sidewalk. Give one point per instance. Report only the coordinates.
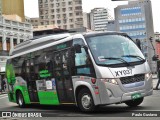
(1, 93)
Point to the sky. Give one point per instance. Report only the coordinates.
(31, 8)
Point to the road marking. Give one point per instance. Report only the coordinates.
(3, 97)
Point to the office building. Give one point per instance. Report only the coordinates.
(99, 18)
(13, 7)
(136, 20)
(11, 33)
(66, 14)
(86, 20)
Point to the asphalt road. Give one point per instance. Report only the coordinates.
(120, 111)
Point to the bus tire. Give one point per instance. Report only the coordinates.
(134, 103)
(20, 100)
(85, 100)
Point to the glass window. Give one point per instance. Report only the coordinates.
(137, 19)
(78, 41)
(104, 47)
(83, 64)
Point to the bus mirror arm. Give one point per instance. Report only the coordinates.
(77, 48)
(138, 42)
(85, 47)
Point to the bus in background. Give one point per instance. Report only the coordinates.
(87, 70)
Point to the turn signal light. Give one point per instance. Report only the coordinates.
(93, 80)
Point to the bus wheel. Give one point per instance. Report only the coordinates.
(20, 100)
(134, 103)
(85, 101)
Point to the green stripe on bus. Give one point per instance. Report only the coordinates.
(48, 97)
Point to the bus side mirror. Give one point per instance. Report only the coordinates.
(77, 48)
(138, 42)
(85, 47)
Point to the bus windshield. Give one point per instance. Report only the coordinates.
(114, 50)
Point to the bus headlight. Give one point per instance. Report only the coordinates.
(147, 76)
(113, 81)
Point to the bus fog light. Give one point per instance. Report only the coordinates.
(147, 76)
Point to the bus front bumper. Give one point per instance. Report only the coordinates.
(142, 93)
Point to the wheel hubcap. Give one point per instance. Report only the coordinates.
(20, 100)
(86, 101)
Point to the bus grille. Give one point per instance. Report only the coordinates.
(132, 79)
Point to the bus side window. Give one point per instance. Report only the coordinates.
(78, 41)
(83, 64)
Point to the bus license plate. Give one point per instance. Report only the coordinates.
(136, 96)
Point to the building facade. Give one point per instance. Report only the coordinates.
(136, 20)
(111, 26)
(13, 7)
(35, 22)
(66, 14)
(157, 48)
(99, 18)
(86, 20)
(12, 33)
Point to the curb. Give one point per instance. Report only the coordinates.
(3, 93)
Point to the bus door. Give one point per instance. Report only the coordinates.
(63, 77)
(31, 82)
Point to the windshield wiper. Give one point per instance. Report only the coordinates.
(134, 56)
(119, 59)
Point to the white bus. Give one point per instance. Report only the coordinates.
(87, 70)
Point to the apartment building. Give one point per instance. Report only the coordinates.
(35, 22)
(66, 14)
(136, 20)
(99, 18)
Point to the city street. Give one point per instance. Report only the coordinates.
(150, 103)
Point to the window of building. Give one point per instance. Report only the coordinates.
(52, 5)
(64, 9)
(46, 11)
(70, 8)
(46, 22)
(52, 16)
(57, 10)
(57, 4)
(71, 26)
(65, 21)
(53, 22)
(46, 5)
(58, 16)
(52, 11)
(59, 21)
(64, 26)
(63, 4)
(70, 14)
(64, 15)
(70, 20)
(70, 3)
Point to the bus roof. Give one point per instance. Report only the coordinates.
(43, 40)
